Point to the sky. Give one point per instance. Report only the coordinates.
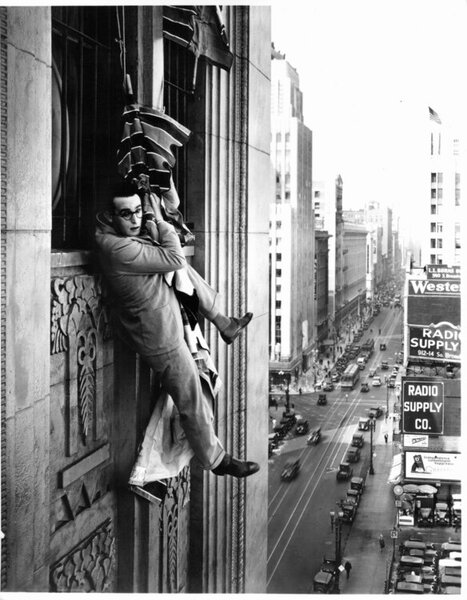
(364, 65)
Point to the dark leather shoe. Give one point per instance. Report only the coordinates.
(235, 327)
(236, 468)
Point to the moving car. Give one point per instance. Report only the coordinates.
(376, 381)
(358, 484)
(314, 437)
(382, 346)
(328, 386)
(372, 372)
(335, 377)
(384, 365)
(290, 470)
(322, 399)
(392, 381)
(302, 426)
(364, 387)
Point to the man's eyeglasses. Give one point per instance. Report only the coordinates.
(127, 214)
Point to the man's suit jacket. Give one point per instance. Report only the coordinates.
(146, 312)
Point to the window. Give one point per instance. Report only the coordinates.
(440, 178)
(433, 209)
(278, 256)
(433, 227)
(317, 194)
(433, 178)
(278, 272)
(278, 289)
(433, 193)
(86, 113)
(432, 259)
(278, 224)
(440, 193)
(432, 243)
(440, 243)
(458, 197)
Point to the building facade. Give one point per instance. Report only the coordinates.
(292, 243)
(75, 401)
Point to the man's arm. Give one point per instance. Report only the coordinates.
(131, 256)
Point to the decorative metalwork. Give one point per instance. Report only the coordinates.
(88, 567)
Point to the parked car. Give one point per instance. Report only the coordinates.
(335, 377)
(328, 386)
(314, 437)
(372, 372)
(358, 484)
(357, 440)
(322, 399)
(376, 381)
(301, 426)
(364, 387)
(364, 423)
(392, 381)
(344, 472)
(324, 582)
(353, 496)
(349, 510)
(375, 412)
(290, 470)
(353, 455)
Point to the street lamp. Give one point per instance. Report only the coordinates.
(287, 390)
(336, 519)
(372, 428)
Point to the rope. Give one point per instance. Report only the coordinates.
(122, 42)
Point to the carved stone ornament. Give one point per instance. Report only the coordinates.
(88, 567)
(78, 316)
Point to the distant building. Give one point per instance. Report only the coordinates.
(324, 323)
(292, 243)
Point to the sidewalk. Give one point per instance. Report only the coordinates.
(375, 515)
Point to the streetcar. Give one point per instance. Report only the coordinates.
(350, 377)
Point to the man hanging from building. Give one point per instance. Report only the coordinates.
(147, 314)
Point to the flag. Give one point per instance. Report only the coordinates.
(199, 29)
(434, 116)
(148, 138)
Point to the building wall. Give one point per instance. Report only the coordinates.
(216, 528)
(354, 262)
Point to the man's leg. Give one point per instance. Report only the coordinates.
(229, 327)
(179, 377)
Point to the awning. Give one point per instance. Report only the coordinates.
(199, 29)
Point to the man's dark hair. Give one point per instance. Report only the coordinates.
(124, 188)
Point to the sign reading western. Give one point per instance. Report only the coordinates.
(435, 466)
(422, 406)
(436, 341)
(430, 303)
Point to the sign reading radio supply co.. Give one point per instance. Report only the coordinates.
(422, 406)
(433, 317)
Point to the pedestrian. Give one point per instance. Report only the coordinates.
(381, 542)
(386, 438)
(380, 332)
(300, 391)
(140, 254)
(346, 397)
(347, 568)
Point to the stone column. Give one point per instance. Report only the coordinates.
(26, 230)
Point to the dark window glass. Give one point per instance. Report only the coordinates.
(87, 102)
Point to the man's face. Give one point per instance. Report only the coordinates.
(127, 214)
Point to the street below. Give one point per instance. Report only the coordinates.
(300, 531)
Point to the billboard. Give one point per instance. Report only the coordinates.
(433, 318)
(422, 406)
(435, 466)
